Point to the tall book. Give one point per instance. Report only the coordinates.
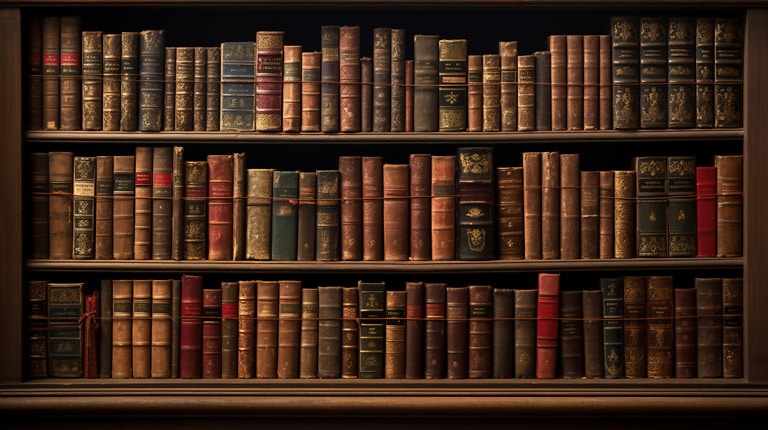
(653, 71)
(532, 205)
(51, 68)
(481, 319)
(141, 329)
(327, 228)
(112, 64)
(443, 218)
(571, 333)
(60, 208)
(733, 327)
(199, 88)
(162, 202)
(394, 334)
(289, 328)
(65, 335)
(238, 68)
(590, 214)
(526, 307)
(269, 80)
(220, 192)
(291, 108)
(543, 90)
(310, 91)
(420, 206)
(612, 289)
(103, 222)
(557, 46)
(122, 306)
(309, 338)
(105, 329)
(246, 329)
(434, 330)
(547, 325)
(162, 290)
(709, 327)
(175, 326)
(635, 326)
(685, 332)
(382, 75)
(414, 329)
(142, 231)
(591, 92)
(574, 65)
(329, 74)
(606, 203)
(258, 230)
(625, 55)
(681, 72)
(329, 332)
(526, 93)
(38, 213)
(397, 80)
(592, 311)
(195, 210)
(185, 89)
(651, 207)
(681, 206)
(36, 337)
(71, 70)
(475, 93)
(351, 206)
(452, 92)
(129, 81)
(457, 332)
(503, 349)
(476, 189)
(550, 205)
(729, 65)
(211, 360)
(90, 335)
(508, 53)
(426, 55)
(151, 72)
(570, 207)
(705, 72)
(366, 94)
(213, 88)
(306, 217)
(606, 89)
(350, 332)
(285, 193)
(267, 309)
(84, 207)
(191, 329)
(624, 210)
(34, 70)
(92, 85)
(230, 296)
(730, 205)
(396, 210)
(492, 92)
(661, 330)
(372, 314)
(509, 207)
(372, 172)
(706, 211)
(169, 90)
(239, 205)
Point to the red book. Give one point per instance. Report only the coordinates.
(706, 211)
(269, 81)
(548, 310)
(220, 215)
(91, 336)
(191, 337)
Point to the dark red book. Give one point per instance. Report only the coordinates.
(351, 206)
(457, 332)
(420, 207)
(414, 330)
(269, 81)
(480, 313)
(220, 210)
(191, 338)
(547, 312)
(91, 336)
(685, 332)
(706, 211)
(434, 330)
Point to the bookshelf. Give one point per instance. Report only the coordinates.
(381, 403)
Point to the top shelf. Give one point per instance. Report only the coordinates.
(390, 3)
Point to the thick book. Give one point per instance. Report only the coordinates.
(105, 328)
(475, 93)
(729, 65)
(414, 329)
(396, 211)
(38, 200)
(269, 80)
(606, 204)
(60, 205)
(420, 167)
(122, 305)
(653, 71)
(350, 332)
(51, 68)
(705, 72)
(71, 70)
(329, 332)
(382, 76)
(195, 210)
(213, 88)
(635, 326)
(606, 87)
(150, 87)
(285, 193)
(706, 211)
(681, 206)
(625, 67)
(191, 329)
(651, 209)
(508, 52)
(111, 67)
(590, 214)
(452, 90)
(685, 332)
(289, 328)
(103, 221)
(92, 85)
(624, 210)
(709, 327)
(526, 93)
(351, 206)
(550, 205)
(661, 330)
(310, 91)
(570, 207)
(591, 77)
(397, 80)
(509, 207)
(426, 55)
(142, 227)
(612, 289)
(66, 304)
(457, 332)
(34, 70)
(329, 77)
(476, 189)
(492, 92)
(547, 325)
(291, 109)
(184, 90)
(327, 228)
(557, 46)
(306, 217)
(571, 333)
(373, 207)
(267, 310)
(526, 307)
(84, 207)
(230, 296)
(169, 90)
(729, 218)
(246, 329)
(503, 349)
(220, 192)
(480, 331)
(443, 215)
(199, 88)
(434, 330)
(394, 335)
(372, 314)
(211, 333)
(309, 337)
(592, 312)
(733, 327)
(239, 205)
(162, 202)
(141, 329)
(543, 90)
(532, 205)
(36, 337)
(574, 79)
(681, 72)
(238, 68)
(258, 230)
(161, 314)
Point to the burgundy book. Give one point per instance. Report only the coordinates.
(191, 350)
(396, 212)
(434, 330)
(420, 206)
(443, 222)
(382, 75)
(706, 211)
(91, 335)
(685, 332)
(574, 46)
(457, 332)
(480, 348)
(162, 203)
(709, 327)
(239, 205)
(547, 313)
(559, 80)
(220, 210)
(373, 207)
(349, 78)
(503, 333)
(211, 365)
(532, 205)
(351, 206)
(267, 308)
(288, 328)
(246, 329)
(269, 80)
(414, 330)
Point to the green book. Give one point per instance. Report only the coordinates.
(285, 212)
(65, 335)
(372, 319)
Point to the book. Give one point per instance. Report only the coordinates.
(571, 334)
(729, 64)
(574, 78)
(526, 93)
(532, 205)
(161, 314)
(426, 55)
(653, 40)
(570, 207)
(705, 72)
(150, 87)
(730, 205)
(38, 218)
(351, 206)
(191, 329)
(258, 227)
(503, 333)
(103, 219)
(239, 205)
(457, 332)
(651, 208)
(105, 328)
(220, 192)
(612, 289)
(169, 90)
(452, 90)
(71, 70)
(547, 325)
(122, 307)
(36, 337)
(327, 229)
(509, 90)
(476, 189)
(112, 44)
(285, 193)
(129, 81)
(213, 88)
(661, 330)
(492, 92)
(480, 343)
(475, 92)
(396, 211)
(681, 72)
(142, 231)
(289, 328)
(733, 327)
(66, 304)
(635, 326)
(306, 217)
(269, 80)
(558, 49)
(310, 91)
(706, 211)
(34, 71)
(624, 210)
(543, 90)
(685, 332)
(175, 326)
(592, 312)
(329, 332)
(230, 297)
(185, 89)
(551, 194)
(606, 193)
(625, 66)
(509, 207)
(591, 78)
(60, 209)
(709, 327)
(238, 92)
(366, 94)
(51, 68)
(372, 314)
(84, 207)
(246, 329)
(606, 87)
(420, 167)
(382, 77)
(211, 317)
(681, 206)
(590, 214)
(162, 202)
(526, 307)
(329, 78)
(195, 210)
(309, 338)
(435, 330)
(443, 215)
(141, 329)
(90, 323)
(350, 332)
(291, 109)
(372, 173)
(199, 88)
(397, 80)
(394, 335)
(414, 329)
(92, 85)
(267, 310)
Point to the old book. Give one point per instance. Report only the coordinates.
(396, 211)
(185, 88)
(426, 55)
(480, 344)
(574, 65)
(258, 242)
(285, 193)
(570, 207)
(397, 80)
(476, 189)
(475, 93)
(681, 206)
(230, 296)
(434, 330)
(291, 88)
(685, 332)
(653, 71)
(199, 88)
(191, 329)
(269, 80)
(289, 328)
(550, 205)
(92, 85)
(625, 70)
(661, 330)
(220, 215)
(122, 308)
(681, 72)
(84, 207)
(590, 214)
(420, 167)
(624, 210)
(351, 206)
(543, 90)
(104, 205)
(161, 328)
(350, 332)
(592, 312)
(151, 72)
(729, 65)
(112, 64)
(60, 187)
(71, 69)
(705, 72)
(162, 202)
(238, 68)
(733, 327)
(195, 210)
(129, 81)
(123, 211)
(175, 326)
(730, 205)
(38, 213)
(36, 335)
(366, 94)
(141, 329)
(526, 306)
(310, 91)
(526, 93)
(532, 205)
(508, 53)
(349, 78)
(414, 329)
(457, 332)
(267, 309)
(246, 329)
(607, 206)
(211, 366)
(105, 328)
(492, 92)
(65, 335)
(635, 326)
(606, 87)
(509, 207)
(329, 76)
(213, 88)
(571, 333)
(177, 203)
(329, 332)
(34, 71)
(394, 335)
(51, 68)
(612, 289)
(372, 172)
(328, 212)
(306, 217)
(308, 342)
(651, 208)
(452, 92)
(503, 349)
(443, 218)
(709, 327)
(591, 77)
(706, 211)
(372, 314)
(547, 325)
(169, 90)
(557, 46)
(142, 231)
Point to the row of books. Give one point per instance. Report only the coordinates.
(650, 72)
(157, 205)
(627, 327)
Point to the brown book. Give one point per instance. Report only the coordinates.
(509, 89)
(475, 92)
(83, 207)
(349, 78)
(292, 88)
(591, 80)
(420, 167)
(38, 213)
(590, 214)
(709, 327)
(269, 80)
(175, 327)
(60, 186)
(366, 94)
(162, 202)
(532, 205)
(503, 348)
(239, 204)
(492, 92)
(229, 325)
(635, 327)
(307, 216)
(267, 309)
(123, 207)
(213, 88)
(258, 242)
(525, 333)
(327, 231)
(396, 211)
(51, 33)
(457, 332)
(685, 332)
(526, 93)
(211, 338)
(480, 346)
(70, 89)
(199, 89)
(310, 91)
(329, 77)
(605, 96)
(592, 311)
(220, 215)
(185, 81)
(730, 205)
(550, 205)
(661, 330)
(571, 347)
(397, 80)
(161, 328)
(112, 63)
(414, 329)
(574, 47)
(452, 91)
(373, 207)
(733, 327)
(36, 337)
(443, 220)
(169, 88)
(122, 307)
(624, 213)
(558, 49)
(141, 329)
(246, 329)
(177, 203)
(434, 330)
(289, 329)
(543, 96)
(350, 334)
(351, 206)
(195, 215)
(34, 70)
(92, 86)
(607, 207)
(104, 204)
(142, 232)
(426, 53)
(308, 342)
(129, 81)
(509, 204)
(395, 335)
(329, 332)
(570, 207)
(382, 75)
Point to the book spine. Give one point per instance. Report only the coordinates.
(161, 328)
(394, 335)
(480, 345)
(372, 314)
(36, 337)
(175, 326)
(532, 205)
(651, 208)
(733, 327)
(550, 205)
(184, 92)
(211, 345)
(246, 329)
(591, 92)
(509, 206)
(92, 86)
(141, 329)
(292, 88)
(559, 79)
(238, 68)
(213, 89)
(373, 208)
(258, 230)
(129, 81)
(543, 90)
(503, 337)
(289, 329)
(397, 80)
(414, 330)
(328, 216)
(169, 90)
(420, 167)
(65, 335)
(624, 210)
(123, 207)
(571, 332)
(475, 183)
(729, 64)
(527, 93)
(60, 187)
(547, 325)
(592, 311)
(71, 70)
(526, 306)
(590, 214)
(574, 58)
(492, 92)
(606, 97)
(351, 206)
(310, 91)
(177, 203)
(685, 332)
(625, 71)
(349, 78)
(195, 210)
(269, 80)
(162, 202)
(396, 211)
(309, 340)
(199, 88)
(39, 187)
(112, 64)
(220, 215)
(267, 309)
(635, 327)
(443, 215)
(681, 72)
(653, 72)
(142, 232)
(509, 89)
(151, 72)
(307, 217)
(191, 335)
(426, 55)
(350, 332)
(382, 75)
(105, 328)
(452, 90)
(681, 206)
(285, 193)
(366, 94)
(330, 75)
(730, 205)
(612, 289)
(34, 70)
(434, 330)
(709, 327)
(457, 332)
(570, 207)
(329, 332)
(475, 92)
(104, 205)
(705, 72)
(706, 211)
(122, 304)
(606, 203)
(84, 207)
(661, 330)
(229, 325)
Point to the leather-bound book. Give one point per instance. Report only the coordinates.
(606, 69)
(571, 332)
(105, 329)
(327, 228)
(476, 188)
(220, 184)
(213, 88)
(397, 80)
(38, 214)
(382, 75)
(592, 311)
(34, 70)
(84, 207)
(306, 217)
(651, 192)
(681, 72)
(129, 81)
(122, 306)
(661, 330)
(151, 72)
(211, 333)
(612, 289)
(329, 332)
(532, 205)
(366, 94)
(526, 306)
(246, 329)
(591, 92)
(635, 326)
(70, 89)
(570, 207)
(396, 210)
(574, 58)
(509, 206)
(547, 325)
(492, 92)
(526, 93)
(112, 63)
(414, 329)
(373, 207)
(709, 327)
(285, 193)
(706, 211)
(372, 314)
(733, 327)
(169, 90)
(705, 72)
(191, 330)
(685, 332)
(420, 206)
(543, 90)
(60, 187)
(590, 214)
(624, 210)
(310, 91)
(503, 347)
(349, 78)
(66, 304)
(681, 206)
(625, 71)
(229, 324)
(92, 86)
(269, 80)
(258, 230)
(104, 205)
(123, 207)
(90, 325)
(175, 326)
(350, 332)
(730, 205)
(434, 330)
(329, 75)
(559, 78)
(185, 83)
(426, 54)
(142, 231)
(452, 92)
(292, 88)
(162, 202)
(36, 335)
(653, 71)
(267, 309)
(308, 342)
(508, 53)
(289, 328)
(481, 318)
(141, 329)
(239, 205)
(475, 93)
(199, 88)
(443, 218)
(606, 203)
(195, 210)
(457, 332)
(729, 65)
(51, 63)
(161, 328)
(238, 71)
(394, 335)
(351, 206)
(550, 205)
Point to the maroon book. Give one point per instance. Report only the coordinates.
(457, 332)
(414, 330)
(421, 207)
(706, 211)
(91, 336)
(480, 316)
(548, 310)
(191, 337)
(269, 80)
(351, 206)
(434, 330)
(220, 208)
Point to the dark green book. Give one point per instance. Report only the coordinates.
(372, 318)
(475, 210)
(651, 211)
(65, 335)
(613, 326)
(681, 206)
(653, 72)
(625, 72)
(285, 194)
(84, 207)
(681, 72)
